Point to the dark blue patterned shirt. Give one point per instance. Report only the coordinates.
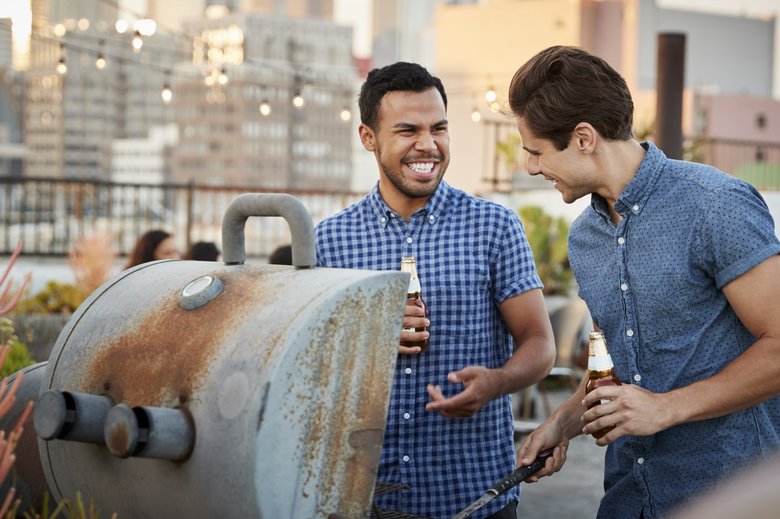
(471, 256)
(653, 284)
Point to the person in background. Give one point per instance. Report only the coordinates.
(151, 246)
(449, 433)
(679, 265)
(282, 255)
(202, 251)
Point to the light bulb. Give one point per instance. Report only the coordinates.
(298, 101)
(100, 62)
(166, 94)
(265, 108)
(476, 116)
(490, 95)
(345, 114)
(138, 42)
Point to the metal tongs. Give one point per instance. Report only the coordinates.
(505, 484)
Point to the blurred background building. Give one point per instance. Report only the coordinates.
(261, 94)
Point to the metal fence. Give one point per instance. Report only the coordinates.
(755, 162)
(47, 214)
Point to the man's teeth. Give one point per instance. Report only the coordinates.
(421, 167)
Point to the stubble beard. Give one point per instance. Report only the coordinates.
(407, 187)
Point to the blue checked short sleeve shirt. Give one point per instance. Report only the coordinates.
(653, 284)
(471, 256)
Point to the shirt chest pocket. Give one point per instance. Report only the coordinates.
(460, 304)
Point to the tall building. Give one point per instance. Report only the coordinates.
(322, 9)
(403, 31)
(6, 44)
(85, 87)
(242, 127)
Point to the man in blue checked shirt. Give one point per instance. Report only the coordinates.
(679, 265)
(449, 428)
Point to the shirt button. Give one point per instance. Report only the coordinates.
(405, 458)
(637, 377)
(635, 208)
(408, 371)
(621, 240)
(630, 332)
(624, 287)
(409, 240)
(407, 416)
(640, 460)
(431, 218)
(383, 219)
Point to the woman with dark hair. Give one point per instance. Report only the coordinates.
(153, 245)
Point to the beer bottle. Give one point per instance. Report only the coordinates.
(409, 264)
(601, 371)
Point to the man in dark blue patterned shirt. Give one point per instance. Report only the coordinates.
(678, 263)
(449, 427)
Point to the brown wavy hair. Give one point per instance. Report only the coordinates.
(563, 86)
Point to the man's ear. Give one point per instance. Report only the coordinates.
(367, 137)
(585, 137)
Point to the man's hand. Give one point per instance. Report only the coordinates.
(631, 409)
(414, 317)
(547, 435)
(480, 385)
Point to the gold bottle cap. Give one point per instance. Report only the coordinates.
(597, 344)
(599, 358)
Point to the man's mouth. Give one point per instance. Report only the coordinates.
(422, 169)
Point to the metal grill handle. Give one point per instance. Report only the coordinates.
(264, 204)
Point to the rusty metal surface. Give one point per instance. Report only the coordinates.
(286, 376)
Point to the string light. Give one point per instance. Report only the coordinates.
(345, 114)
(100, 61)
(476, 115)
(222, 79)
(490, 95)
(138, 41)
(121, 26)
(62, 68)
(166, 94)
(298, 101)
(265, 108)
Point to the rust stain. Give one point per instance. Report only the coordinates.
(162, 358)
(346, 416)
(118, 441)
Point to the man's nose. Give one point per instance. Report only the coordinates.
(533, 165)
(425, 142)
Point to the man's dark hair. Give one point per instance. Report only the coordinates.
(401, 76)
(282, 255)
(202, 251)
(562, 86)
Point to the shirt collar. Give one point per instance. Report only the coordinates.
(432, 210)
(636, 193)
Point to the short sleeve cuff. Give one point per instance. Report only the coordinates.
(739, 267)
(518, 287)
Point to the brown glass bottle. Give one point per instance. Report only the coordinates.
(409, 264)
(601, 371)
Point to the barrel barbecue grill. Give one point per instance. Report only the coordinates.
(201, 390)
